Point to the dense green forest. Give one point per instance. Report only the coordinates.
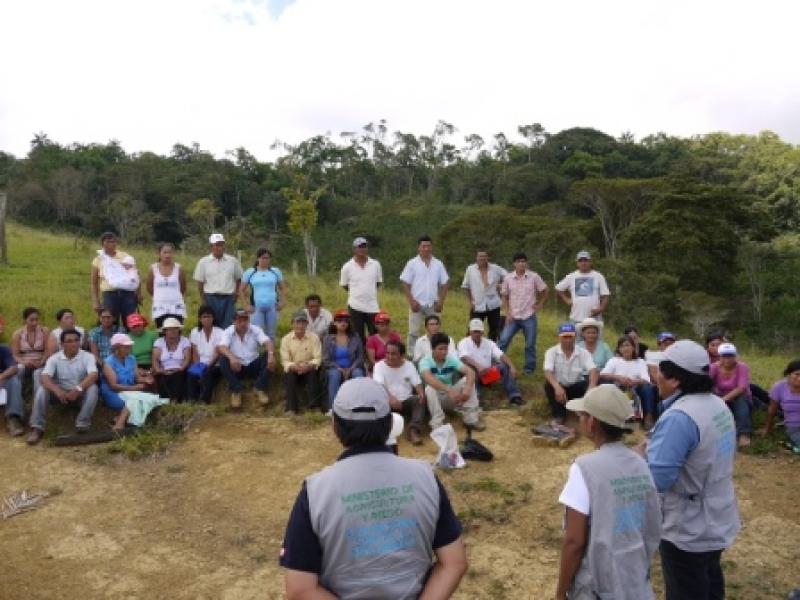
(691, 233)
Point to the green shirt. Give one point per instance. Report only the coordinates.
(143, 347)
(443, 372)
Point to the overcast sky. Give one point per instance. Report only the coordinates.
(230, 73)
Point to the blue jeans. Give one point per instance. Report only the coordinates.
(648, 394)
(334, 377)
(509, 385)
(222, 305)
(255, 370)
(14, 405)
(266, 317)
(121, 303)
(528, 326)
(740, 407)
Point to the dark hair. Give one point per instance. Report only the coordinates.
(622, 339)
(610, 432)
(688, 383)
(714, 335)
(437, 339)
(161, 245)
(105, 310)
(362, 433)
(792, 367)
(108, 235)
(311, 297)
(67, 332)
(204, 309)
(424, 238)
(332, 327)
(60, 314)
(630, 329)
(401, 347)
(430, 318)
(28, 311)
(519, 256)
(261, 252)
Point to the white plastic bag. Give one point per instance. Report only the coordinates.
(449, 457)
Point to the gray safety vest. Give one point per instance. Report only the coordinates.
(700, 513)
(625, 526)
(375, 516)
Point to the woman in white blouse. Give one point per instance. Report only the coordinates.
(629, 373)
(166, 283)
(172, 354)
(204, 372)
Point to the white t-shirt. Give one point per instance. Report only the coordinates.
(575, 494)
(632, 369)
(172, 359)
(585, 290)
(362, 284)
(400, 381)
(246, 350)
(424, 279)
(484, 355)
(206, 347)
(423, 348)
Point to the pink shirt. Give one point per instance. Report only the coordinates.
(739, 378)
(521, 292)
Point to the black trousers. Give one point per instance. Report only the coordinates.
(361, 320)
(493, 318)
(691, 575)
(294, 380)
(573, 390)
(172, 386)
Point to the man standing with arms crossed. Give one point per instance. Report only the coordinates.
(425, 286)
(218, 276)
(361, 276)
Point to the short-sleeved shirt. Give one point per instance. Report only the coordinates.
(142, 348)
(219, 276)
(788, 401)
(244, 348)
(483, 356)
(376, 344)
(739, 378)
(424, 279)
(586, 290)
(302, 550)
(423, 348)
(97, 263)
(56, 333)
(362, 284)
(521, 291)
(400, 381)
(67, 373)
(575, 494)
(444, 372)
(172, 359)
(632, 369)
(264, 285)
(484, 297)
(206, 346)
(568, 370)
(321, 324)
(102, 339)
(7, 359)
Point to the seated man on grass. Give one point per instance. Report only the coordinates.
(404, 385)
(69, 378)
(240, 358)
(438, 371)
(569, 370)
(301, 356)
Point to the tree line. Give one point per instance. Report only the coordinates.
(696, 232)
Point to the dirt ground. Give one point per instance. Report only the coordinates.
(206, 520)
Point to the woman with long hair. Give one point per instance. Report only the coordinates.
(342, 354)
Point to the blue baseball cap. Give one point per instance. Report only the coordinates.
(665, 335)
(566, 329)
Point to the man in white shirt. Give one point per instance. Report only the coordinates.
(482, 281)
(402, 381)
(487, 360)
(433, 325)
(425, 286)
(218, 276)
(585, 290)
(361, 276)
(319, 319)
(240, 358)
(565, 369)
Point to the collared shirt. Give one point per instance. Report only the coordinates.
(485, 296)
(67, 373)
(320, 325)
(568, 370)
(362, 284)
(97, 263)
(444, 371)
(484, 355)
(424, 279)
(521, 291)
(400, 381)
(206, 345)
(246, 347)
(218, 275)
(56, 333)
(295, 350)
(423, 348)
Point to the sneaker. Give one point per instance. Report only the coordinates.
(34, 437)
(14, 427)
(478, 425)
(236, 401)
(263, 398)
(744, 441)
(412, 434)
(517, 401)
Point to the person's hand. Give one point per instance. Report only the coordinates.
(568, 300)
(454, 395)
(482, 371)
(271, 362)
(96, 307)
(236, 365)
(250, 308)
(415, 306)
(396, 405)
(561, 395)
(438, 306)
(61, 395)
(512, 371)
(595, 312)
(139, 387)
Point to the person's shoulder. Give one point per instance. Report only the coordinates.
(324, 312)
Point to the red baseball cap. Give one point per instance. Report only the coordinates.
(135, 320)
(341, 314)
(382, 317)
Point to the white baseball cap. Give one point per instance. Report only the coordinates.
(216, 238)
(476, 325)
(727, 349)
(689, 356)
(361, 399)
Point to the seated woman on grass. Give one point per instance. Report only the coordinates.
(342, 354)
(589, 331)
(29, 346)
(731, 379)
(376, 343)
(629, 373)
(119, 375)
(171, 357)
(785, 395)
(66, 320)
(143, 341)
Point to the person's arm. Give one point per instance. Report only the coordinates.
(151, 279)
(451, 564)
(412, 303)
(316, 352)
(112, 381)
(95, 350)
(674, 438)
(286, 356)
(512, 370)
(96, 304)
(242, 290)
(47, 383)
(371, 354)
(603, 305)
(467, 291)
(443, 289)
(560, 394)
(200, 291)
(182, 281)
(592, 378)
(357, 352)
(566, 298)
(471, 363)
(52, 345)
(196, 353)
(187, 357)
(344, 280)
(469, 375)
(282, 294)
(9, 373)
(431, 380)
(576, 534)
(742, 383)
(542, 296)
(269, 348)
(301, 585)
(771, 412)
(155, 361)
(15, 347)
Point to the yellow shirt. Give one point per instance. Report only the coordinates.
(97, 263)
(296, 350)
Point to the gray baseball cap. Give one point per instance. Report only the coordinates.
(361, 399)
(605, 403)
(689, 356)
(300, 315)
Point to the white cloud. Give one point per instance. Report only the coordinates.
(228, 73)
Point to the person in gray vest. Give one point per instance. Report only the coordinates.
(691, 453)
(370, 525)
(612, 517)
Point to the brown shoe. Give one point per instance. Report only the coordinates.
(263, 398)
(14, 427)
(236, 401)
(413, 436)
(34, 437)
